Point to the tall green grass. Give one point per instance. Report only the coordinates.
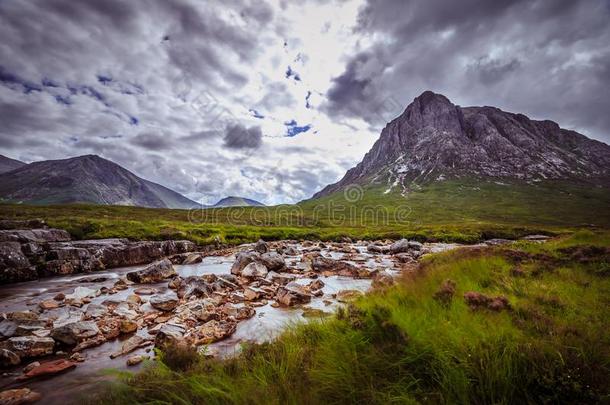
(400, 345)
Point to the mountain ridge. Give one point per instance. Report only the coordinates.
(434, 139)
(85, 179)
(7, 164)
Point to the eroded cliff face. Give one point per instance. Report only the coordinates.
(435, 139)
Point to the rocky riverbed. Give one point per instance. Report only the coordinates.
(57, 334)
(63, 331)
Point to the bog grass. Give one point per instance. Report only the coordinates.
(452, 211)
(401, 345)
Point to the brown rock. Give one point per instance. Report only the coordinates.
(19, 396)
(292, 294)
(29, 346)
(135, 360)
(164, 302)
(133, 343)
(128, 326)
(49, 368)
(153, 273)
(8, 358)
(348, 295)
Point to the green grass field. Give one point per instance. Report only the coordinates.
(401, 345)
(464, 211)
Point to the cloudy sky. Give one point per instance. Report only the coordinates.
(272, 100)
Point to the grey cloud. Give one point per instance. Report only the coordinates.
(152, 141)
(239, 137)
(490, 71)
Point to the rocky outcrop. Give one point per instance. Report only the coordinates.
(29, 254)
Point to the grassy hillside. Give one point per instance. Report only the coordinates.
(406, 345)
(464, 211)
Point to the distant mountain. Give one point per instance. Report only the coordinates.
(237, 202)
(8, 164)
(434, 140)
(85, 179)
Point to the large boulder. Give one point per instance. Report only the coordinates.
(75, 332)
(255, 270)
(169, 334)
(14, 265)
(29, 346)
(292, 294)
(261, 246)
(273, 261)
(8, 358)
(164, 302)
(404, 246)
(153, 273)
(322, 264)
(242, 260)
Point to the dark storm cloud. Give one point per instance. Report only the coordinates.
(547, 59)
(118, 78)
(239, 137)
(152, 141)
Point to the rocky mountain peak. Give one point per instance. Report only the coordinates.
(433, 139)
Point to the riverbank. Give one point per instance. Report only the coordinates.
(63, 331)
(521, 323)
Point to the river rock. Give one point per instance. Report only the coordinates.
(135, 360)
(193, 258)
(400, 246)
(373, 248)
(21, 316)
(82, 292)
(19, 396)
(128, 326)
(292, 294)
(273, 261)
(252, 294)
(31, 366)
(14, 265)
(95, 311)
(326, 265)
(316, 285)
(29, 346)
(214, 331)
(49, 368)
(133, 343)
(348, 295)
(153, 273)
(261, 246)
(280, 278)
(7, 328)
(242, 260)
(164, 302)
(75, 332)
(290, 251)
(145, 291)
(8, 358)
(254, 270)
(239, 313)
(169, 334)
